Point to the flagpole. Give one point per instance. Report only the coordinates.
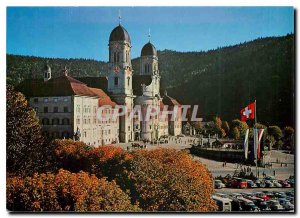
(255, 120)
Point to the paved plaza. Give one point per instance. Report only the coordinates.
(216, 167)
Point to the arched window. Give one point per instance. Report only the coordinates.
(45, 121)
(116, 82)
(65, 121)
(55, 121)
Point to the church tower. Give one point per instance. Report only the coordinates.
(47, 72)
(149, 66)
(120, 77)
(150, 129)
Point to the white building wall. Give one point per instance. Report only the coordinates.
(58, 110)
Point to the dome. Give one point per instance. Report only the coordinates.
(148, 50)
(119, 34)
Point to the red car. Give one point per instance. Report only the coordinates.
(239, 183)
(284, 184)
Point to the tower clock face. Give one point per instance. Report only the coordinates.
(116, 69)
(128, 73)
(116, 46)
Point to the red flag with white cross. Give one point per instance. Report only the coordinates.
(248, 113)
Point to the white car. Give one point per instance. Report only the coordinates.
(275, 205)
(219, 184)
(277, 184)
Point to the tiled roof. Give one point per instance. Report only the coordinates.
(104, 99)
(59, 86)
(95, 82)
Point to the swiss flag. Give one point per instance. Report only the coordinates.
(248, 112)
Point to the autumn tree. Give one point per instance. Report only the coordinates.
(26, 151)
(218, 127)
(168, 180)
(288, 137)
(235, 133)
(241, 126)
(66, 191)
(276, 133)
(72, 155)
(225, 127)
(103, 161)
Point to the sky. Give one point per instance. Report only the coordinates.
(83, 32)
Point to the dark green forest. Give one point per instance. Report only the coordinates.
(220, 81)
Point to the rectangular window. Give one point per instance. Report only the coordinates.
(116, 81)
(45, 109)
(55, 109)
(65, 109)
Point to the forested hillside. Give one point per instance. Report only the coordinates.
(220, 81)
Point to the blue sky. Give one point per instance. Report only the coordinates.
(83, 32)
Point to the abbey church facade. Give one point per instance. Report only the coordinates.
(67, 107)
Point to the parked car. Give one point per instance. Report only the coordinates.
(263, 196)
(287, 205)
(239, 183)
(284, 183)
(289, 193)
(260, 184)
(236, 195)
(279, 194)
(251, 184)
(236, 205)
(269, 184)
(275, 205)
(222, 195)
(291, 182)
(269, 178)
(263, 205)
(248, 205)
(277, 184)
(219, 184)
(224, 204)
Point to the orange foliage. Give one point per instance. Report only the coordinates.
(102, 161)
(168, 180)
(65, 191)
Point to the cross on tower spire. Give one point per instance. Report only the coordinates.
(149, 35)
(119, 17)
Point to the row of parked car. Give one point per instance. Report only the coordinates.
(257, 201)
(267, 182)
